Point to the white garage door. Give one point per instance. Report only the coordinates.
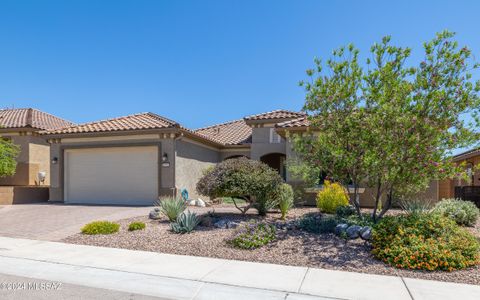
(117, 175)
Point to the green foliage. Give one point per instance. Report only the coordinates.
(8, 157)
(241, 178)
(186, 223)
(285, 199)
(315, 223)
(253, 235)
(391, 127)
(425, 242)
(331, 197)
(344, 211)
(462, 212)
(415, 205)
(171, 207)
(136, 226)
(362, 220)
(100, 227)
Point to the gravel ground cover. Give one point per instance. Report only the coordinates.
(292, 247)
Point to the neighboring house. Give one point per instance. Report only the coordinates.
(468, 190)
(133, 160)
(22, 127)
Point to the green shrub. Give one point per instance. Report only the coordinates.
(462, 212)
(241, 178)
(345, 211)
(364, 220)
(415, 206)
(285, 199)
(253, 235)
(332, 196)
(100, 227)
(186, 222)
(171, 207)
(136, 226)
(424, 242)
(315, 223)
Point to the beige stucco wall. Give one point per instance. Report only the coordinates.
(34, 157)
(190, 162)
(261, 143)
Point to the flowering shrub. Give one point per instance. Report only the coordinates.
(253, 235)
(424, 242)
(462, 212)
(331, 197)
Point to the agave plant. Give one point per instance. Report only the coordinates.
(171, 207)
(186, 222)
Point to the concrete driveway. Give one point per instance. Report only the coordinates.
(53, 222)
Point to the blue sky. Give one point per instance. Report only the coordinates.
(197, 62)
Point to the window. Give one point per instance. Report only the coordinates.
(274, 137)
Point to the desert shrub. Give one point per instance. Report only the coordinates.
(364, 220)
(100, 227)
(332, 196)
(171, 207)
(345, 211)
(253, 235)
(186, 222)
(415, 205)
(136, 226)
(424, 241)
(462, 212)
(316, 223)
(242, 178)
(285, 199)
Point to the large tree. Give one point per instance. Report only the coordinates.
(8, 157)
(392, 126)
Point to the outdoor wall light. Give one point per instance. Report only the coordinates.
(165, 161)
(55, 160)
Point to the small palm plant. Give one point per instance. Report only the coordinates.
(171, 207)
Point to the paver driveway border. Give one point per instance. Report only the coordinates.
(188, 277)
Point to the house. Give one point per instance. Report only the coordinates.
(22, 126)
(467, 190)
(133, 160)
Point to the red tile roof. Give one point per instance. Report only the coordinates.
(230, 133)
(30, 118)
(299, 122)
(275, 115)
(132, 122)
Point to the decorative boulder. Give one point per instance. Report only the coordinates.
(341, 228)
(232, 224)
(200, 203)
(353, 231)
(366, 233)
(155, 214)
(221, 224)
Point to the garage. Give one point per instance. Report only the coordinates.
(111, 175)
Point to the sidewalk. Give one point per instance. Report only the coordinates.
(186, 277)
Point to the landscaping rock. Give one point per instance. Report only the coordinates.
(155, 214)
(192, 202)
(341, 228)
(366, 233)
(353, 231)
(221, 224)
(200, 203)
(232, 224)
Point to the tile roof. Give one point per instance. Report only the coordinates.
(132, 122)
(466, 154)
(30, 118)
(299, 122)
(230, 133)
(275, 114)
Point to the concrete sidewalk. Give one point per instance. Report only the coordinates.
(186, 277)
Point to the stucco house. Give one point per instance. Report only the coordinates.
(23, 127)
(133, 160)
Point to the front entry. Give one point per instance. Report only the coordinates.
(277, 162)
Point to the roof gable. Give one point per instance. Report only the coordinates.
(275, 115)
(231, 133)
(31, 118)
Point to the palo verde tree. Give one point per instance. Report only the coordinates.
(391, 127)
(8, 158)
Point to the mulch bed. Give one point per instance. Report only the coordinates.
(293, 247)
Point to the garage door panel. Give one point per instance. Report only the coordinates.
(121, 175)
